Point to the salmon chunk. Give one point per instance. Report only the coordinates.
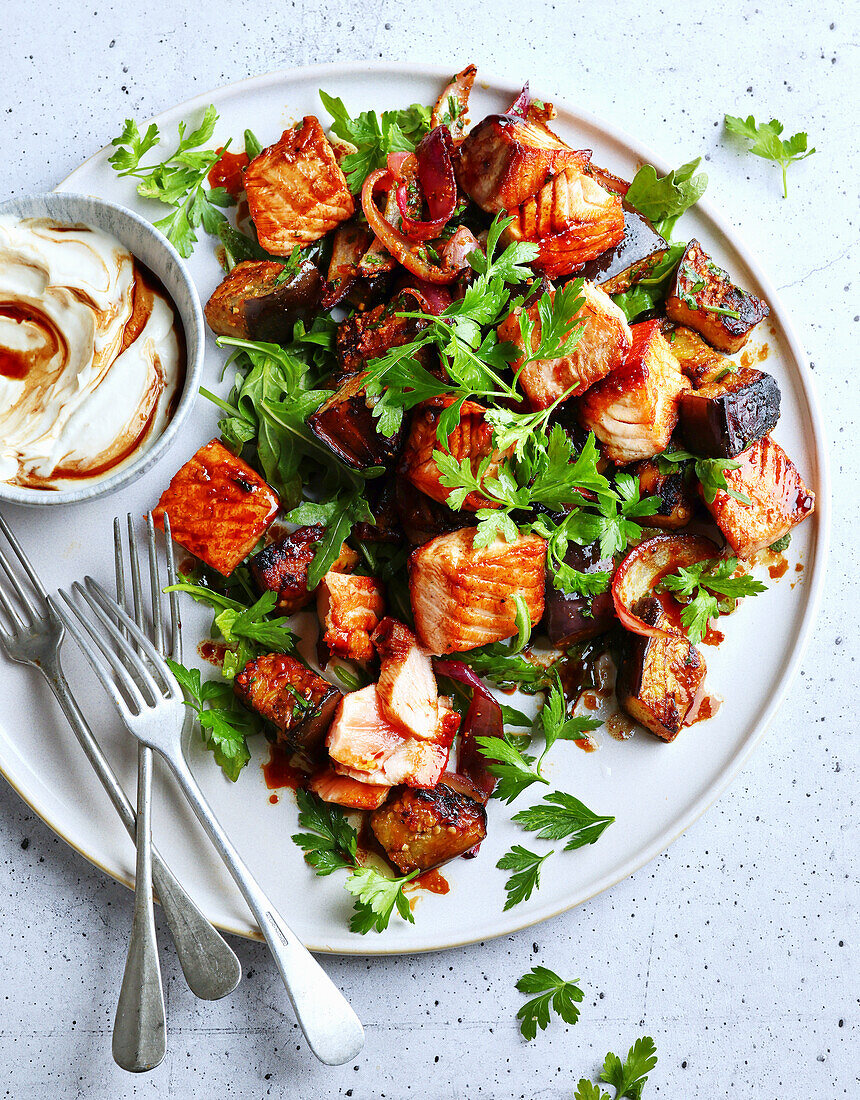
(299, 703)
(296, 190)
(462, 595)
(283, 566)
(572, 219)
(406, 684)
(601, 348)
(506, 159)
(218, 507)
(472, 439)
(779, 499)
(349, 610)
(364, 745)
(634, 410)
(330, 786)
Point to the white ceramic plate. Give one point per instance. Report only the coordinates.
(654, 790)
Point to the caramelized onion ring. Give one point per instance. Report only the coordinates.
(435, 173)
(643, 569)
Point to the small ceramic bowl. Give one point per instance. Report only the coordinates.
(159, 255)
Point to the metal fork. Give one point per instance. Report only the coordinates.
(34, 637)
(152, 708)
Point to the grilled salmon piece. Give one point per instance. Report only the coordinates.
(472, 439)
(703, 297)
(420, 829)
(661, 678)
(406, 683)
(634, 410)
(341, 789)
(601, 348)
(364, 745)
(779, 499)
(349, 610)
(507, 159)
(299, 703)
(296, 190)
(218, 506)
(462, 595)
(283, 566)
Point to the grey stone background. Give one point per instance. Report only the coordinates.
(736, 949)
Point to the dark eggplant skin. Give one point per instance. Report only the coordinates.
(722, 419)
(641, 248)
(677, 500)
(569, 619)
(251, 304)
(346, 425)
(423, 518)
(420, 829)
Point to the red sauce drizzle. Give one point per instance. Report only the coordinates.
(778, 570)
(213, 652)
(587, 744)
(273, 798)
(433, 882)
(278, 771)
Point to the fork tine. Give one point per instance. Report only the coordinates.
(15, 621)
(154, 588)
(175, 620)
(23, 559)
(97, 596)
(23, 598)
(120, 667)
(101, 670)
(118, 564)
(136, 600)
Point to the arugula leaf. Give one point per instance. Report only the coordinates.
(629, 1077)
(178, 180)
(553, 993)
(648, 294)
(698, 583)
(224, 722)
(525, 879)
(377, 896)
(781, 544)
(374, 137)
(331, 843)
(767, 143)
(561, 815)
(663, 199)
(523, 621)
(341, 513)
(511, 767)
(498, 662)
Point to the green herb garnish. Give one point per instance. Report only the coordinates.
(701, 584)
(767, 143)
(553, 993)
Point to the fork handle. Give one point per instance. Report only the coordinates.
(332, 1029)
(208, 963)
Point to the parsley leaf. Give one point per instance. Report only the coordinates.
(587, 1090)
(699, 583)
(377, 896)
(178, 181)
(511, 767)
(553, 993)
(561, 815)
(663, 199)
(557, 726)
(331, 842)
(525, 879)
(709, 471)
(224, 722)
(767, 143)
(374, 137)
(629, 1077)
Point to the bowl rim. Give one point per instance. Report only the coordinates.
(195, 348)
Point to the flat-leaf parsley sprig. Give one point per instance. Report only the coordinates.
(552, 993)
(628, 1078)
(768, 144)
(701, 585)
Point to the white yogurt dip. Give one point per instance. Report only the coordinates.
(91, 354)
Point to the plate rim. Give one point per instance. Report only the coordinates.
(495, 83)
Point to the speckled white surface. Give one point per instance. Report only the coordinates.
(737, 949)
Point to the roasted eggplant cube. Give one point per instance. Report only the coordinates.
(722, 418)
(283, 566)
(632, 259)
(253, 304)
(366, 336)
(423, 518)
(778, 499)
(574, 618)
(297, 702)
(661, 678)
(218, 507)
(420, 829)
(696, 358)
(704, 298)
(677, 500)
(345, 424)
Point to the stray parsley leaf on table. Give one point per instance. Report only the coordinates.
(701, 584)
(629, 1077)
(178, 181)
(553, 993)
(525, 879)
(561, 815)
(767, 142)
